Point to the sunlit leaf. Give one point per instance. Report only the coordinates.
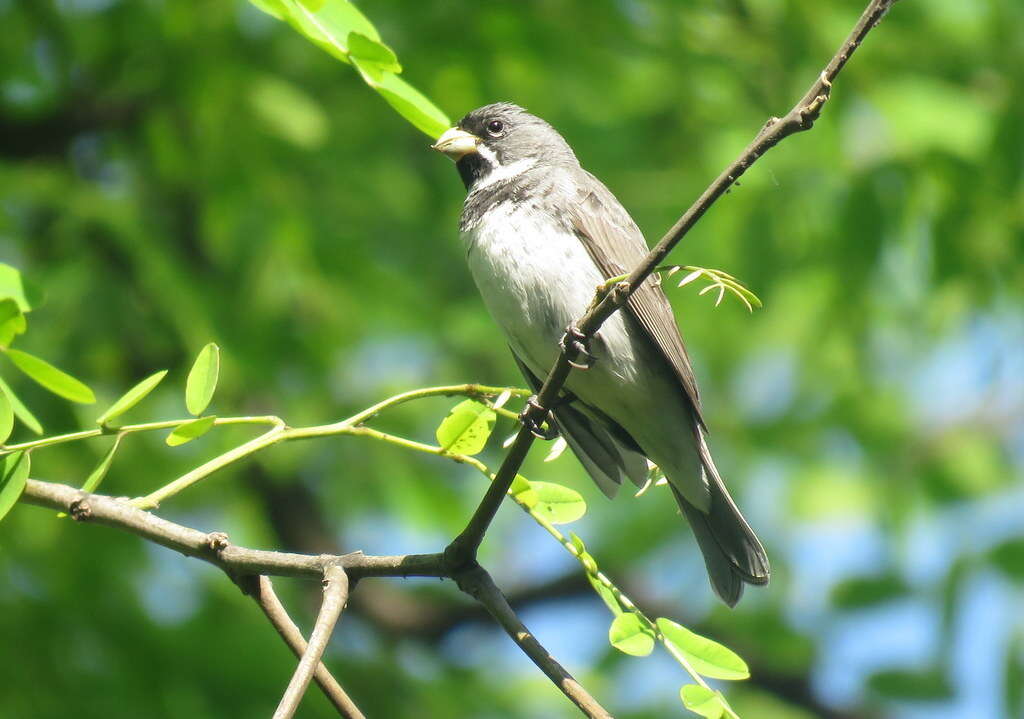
(628, 634)
(411, 104)
(132, 397)
(707, 656)
(558, 504)
(702, 700)
(12, 321)
(606, 594)
(51, 378)
(522, 489)
(501, 399)
(13, 472)
(588, 561)
(13, 285)
(372, 52)
(466, 428)
(101, 469)
(187, 431)
(20, 410)
(6, 417)
(202, 379)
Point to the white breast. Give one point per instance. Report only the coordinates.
(535, 282)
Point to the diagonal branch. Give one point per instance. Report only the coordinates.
(462, 551)
(261, 590)
(335, 598)
(477, 582)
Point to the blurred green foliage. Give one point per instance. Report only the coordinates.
(173, 173)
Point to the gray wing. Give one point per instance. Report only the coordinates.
(601, 446)
(616, 245)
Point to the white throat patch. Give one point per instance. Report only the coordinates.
(499, 173)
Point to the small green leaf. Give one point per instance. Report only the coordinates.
(20, 410)
(466, 428)
(51, 378)
(193, 429)
(606, 594)
(581, 552)
(522, 490)
(274, 8)
(707, 657)
(558, 504)
(411, 104)
(372, 52)
(100, 471)
(132, 397)
(327, 23)
(628, 634)
(6, 417)
(13, 473)
(702, 700)
(202, 379)
(13, 285)
(12, 321)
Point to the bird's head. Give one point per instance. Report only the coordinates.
(499, 142)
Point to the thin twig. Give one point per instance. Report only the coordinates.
(335, 598)
(477, 582)
(261, 589)
(462, 551)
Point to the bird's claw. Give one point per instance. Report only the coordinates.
(532, 418)
(574, 344)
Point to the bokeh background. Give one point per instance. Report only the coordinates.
(176, 172)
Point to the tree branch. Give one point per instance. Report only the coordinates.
(335, 598)
(261, 590)
(462, 551)
(215, 548)
(477, 582)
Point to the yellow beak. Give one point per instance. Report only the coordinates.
(456, 143)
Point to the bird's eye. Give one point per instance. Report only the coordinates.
(495, 127)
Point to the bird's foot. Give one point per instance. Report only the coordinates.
(533, 418)
(574, 344)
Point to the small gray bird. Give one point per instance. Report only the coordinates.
(541, 233)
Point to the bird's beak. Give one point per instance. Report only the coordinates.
(456, 143)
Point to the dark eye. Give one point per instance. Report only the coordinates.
(495, 127)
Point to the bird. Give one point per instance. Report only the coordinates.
(540, 235)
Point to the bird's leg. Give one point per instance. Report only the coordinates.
(574, 344)
(532, 418)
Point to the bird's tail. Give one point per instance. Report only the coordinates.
(732, 552)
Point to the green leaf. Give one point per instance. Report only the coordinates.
(13, 285)
(606, 594)
(628, 634)
(193, 429)
(411, 104)
(522, 490)
(372, 52)
(275, 8)
(702, 700)
(20, 410)
(13, 473)
(558, 504)
(100, 471)
(931, 685)
(53, 379)
(860, 592)
(6, 417)
(466, 428)
(581, 552)
(288, 112)
(132, 397)
(707, 657)
(202, 379)
(12, 321)
(1008, 557)
(328, 23)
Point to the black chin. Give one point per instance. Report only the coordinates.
(471, 168)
